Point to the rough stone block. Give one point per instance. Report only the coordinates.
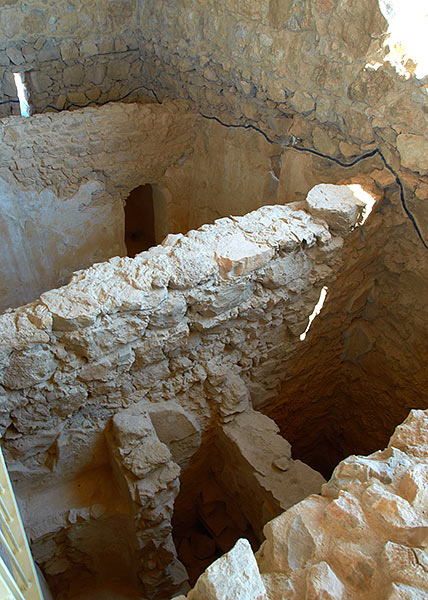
(337, 204)
(234, 575)
(237, 256)
(73, 75)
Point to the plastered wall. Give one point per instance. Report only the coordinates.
(63, 180)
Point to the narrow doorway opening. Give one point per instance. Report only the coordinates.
(139, 220)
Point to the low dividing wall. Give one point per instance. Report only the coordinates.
(202, 320)
(363, 538)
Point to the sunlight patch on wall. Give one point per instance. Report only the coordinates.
(408, 26)
(316, 311)
(22, 95)
(366, 198)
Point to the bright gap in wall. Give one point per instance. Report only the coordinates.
(315, 312)
(366, 198)
(22, 92)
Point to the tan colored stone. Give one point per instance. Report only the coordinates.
(413, 151)
(323, 143)
(338, 205)
(233, 575)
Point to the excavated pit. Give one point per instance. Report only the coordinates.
(231, 484)
(126, 396)
(158, 384)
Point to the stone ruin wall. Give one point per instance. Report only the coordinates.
(63, 179)
(363, 538)
(364, 365)
(298, 73)
(197, 330)
(73, 53)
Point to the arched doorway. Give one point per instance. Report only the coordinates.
(139, 220)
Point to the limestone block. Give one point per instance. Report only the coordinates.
(397, 513)
(219, 298)
(27, 328)
(8, 85)
(413, 151)
(292, 538)
(41, 81)
(382, 466)
(118, 69)
(171, 312)
(235, 397)
(4, 59)
(337, 204)
(69, 50)
(28, 367)
(108, 333)
(234, 575)
(412, 436)
(236, 256)
(70, 311)
(177, 429)
(302, 101)
(414, 485)
(323, 584)
(15, 55)
(323, 143)
(405, 566)
(88, 48)
(292, 271)
(346, 512)
(190, 268)
(139, 448)
(49, 51)
(73, 75)
(95, 74)
(257, 439)
(108, 367)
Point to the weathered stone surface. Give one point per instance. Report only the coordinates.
(233, 575)
(238, 256)
(413, 151)
(335, 546)
(338, 205)
(249, 452)
(73, 75)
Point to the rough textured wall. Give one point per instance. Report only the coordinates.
(364, 363)
(72, 52)
(63, 179)
(363, 538)
(206, 320)
(313, 75)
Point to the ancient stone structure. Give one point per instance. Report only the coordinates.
(146, 404)
(92, 372)
(364, 537)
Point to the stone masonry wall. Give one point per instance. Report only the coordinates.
(206, 320)
(63, 180)
(363, 538)
(71, 52)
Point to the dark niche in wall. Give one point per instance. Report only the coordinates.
(139, 220)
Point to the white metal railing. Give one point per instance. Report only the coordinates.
(18, 577)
